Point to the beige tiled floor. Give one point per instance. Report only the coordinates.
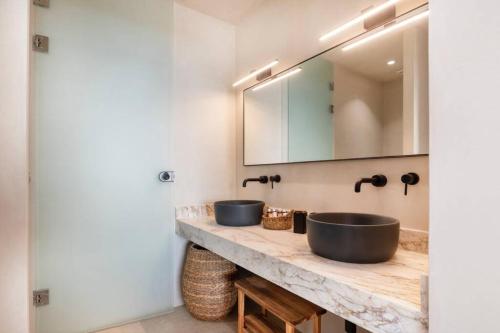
(179, 321)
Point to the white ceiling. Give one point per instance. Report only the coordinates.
(231, 11)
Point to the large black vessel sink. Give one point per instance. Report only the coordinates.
(353, 237)
(238, 213)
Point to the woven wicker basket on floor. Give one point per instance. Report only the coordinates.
(208, 284)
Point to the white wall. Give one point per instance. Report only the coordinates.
(204, 132)
(464, 166)
(14, 236)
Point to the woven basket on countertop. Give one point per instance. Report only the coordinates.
(208, 284)
(278, 223)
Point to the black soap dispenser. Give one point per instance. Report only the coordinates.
(299, 222)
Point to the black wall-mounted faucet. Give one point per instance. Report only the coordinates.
(274, 179)
(410, 178)
(376, 180)
(261, 179)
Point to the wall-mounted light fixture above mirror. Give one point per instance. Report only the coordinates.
(364, 16)
(256, 72)
(364, 98)
(387, 29)
(277, 78)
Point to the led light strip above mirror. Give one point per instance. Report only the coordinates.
(278, 78)
(369, 13)
(385, 30)
(256, 72)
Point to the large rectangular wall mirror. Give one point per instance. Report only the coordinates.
(363, 100)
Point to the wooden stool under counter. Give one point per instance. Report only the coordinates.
(284, 305)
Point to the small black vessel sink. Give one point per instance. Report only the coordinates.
(353, 237)
(238, 213)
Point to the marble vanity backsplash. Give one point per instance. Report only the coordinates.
(194, 211)
(409, 239)
(414, 240)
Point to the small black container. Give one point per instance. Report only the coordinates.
(299, 222)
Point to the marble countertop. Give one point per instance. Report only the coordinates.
(383, 297)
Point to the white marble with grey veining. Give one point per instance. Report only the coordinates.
(381, 297)
(194, 211)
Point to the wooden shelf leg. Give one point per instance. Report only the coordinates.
(241, 311)
(316, 324)
(263, 311)
(289, 328)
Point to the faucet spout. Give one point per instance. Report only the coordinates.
(357, 186)
(249, 180)
(377, 181)
(261, 179)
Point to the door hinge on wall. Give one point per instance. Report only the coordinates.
(332, 86)
(41, 297)
(42, 3)
(41, 43)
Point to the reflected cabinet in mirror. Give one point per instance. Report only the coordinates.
(365, 98)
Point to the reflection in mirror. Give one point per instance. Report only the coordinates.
(363, 102)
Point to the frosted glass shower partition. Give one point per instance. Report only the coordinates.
(100, 135)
